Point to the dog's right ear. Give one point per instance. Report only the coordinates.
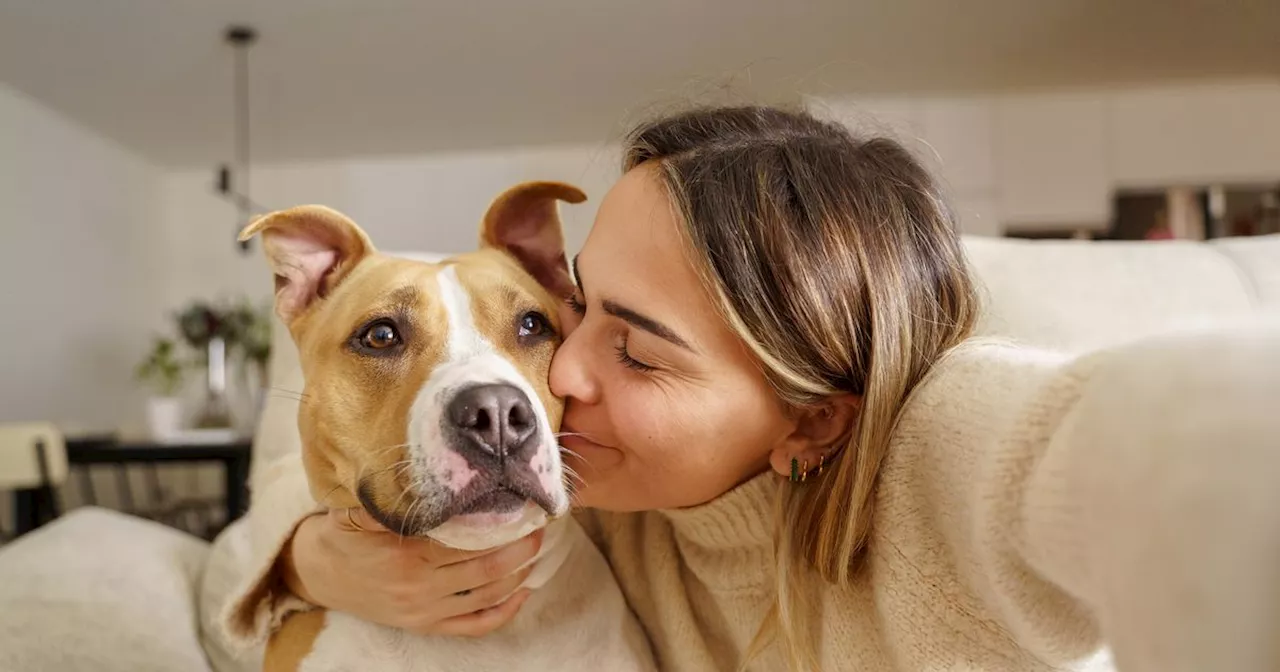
(524, 221)
(311, 248)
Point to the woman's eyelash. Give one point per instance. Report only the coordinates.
(628, 361)
(623, 356)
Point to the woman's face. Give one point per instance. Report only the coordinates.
(669, 407)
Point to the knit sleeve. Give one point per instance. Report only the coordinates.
(1125, 498)
(280, 500)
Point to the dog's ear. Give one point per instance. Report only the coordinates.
(311, 248)
(525, 222)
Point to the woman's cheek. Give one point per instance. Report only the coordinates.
(656, 425)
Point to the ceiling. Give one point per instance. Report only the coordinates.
(333, 78)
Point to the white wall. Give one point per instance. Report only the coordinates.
(422, 203)
(99, 247)
(153, 242)
(1052, 159)
(76, 270)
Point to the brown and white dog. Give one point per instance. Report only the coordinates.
(426, 402)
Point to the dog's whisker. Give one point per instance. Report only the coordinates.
(386, 449)
(569, 451)
(417, 521)
(575, 495)
(288, 397)
(406, 466)
(329, 494)
(572, 480)
(560, 435)
(285, 393)
(403, 492)
(399, 464)
(408, 517)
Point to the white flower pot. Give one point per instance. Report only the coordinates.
(164, 417)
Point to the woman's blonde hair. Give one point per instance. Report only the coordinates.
(837, 261)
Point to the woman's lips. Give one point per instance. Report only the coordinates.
(588, 453)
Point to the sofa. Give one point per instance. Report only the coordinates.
(99, 590)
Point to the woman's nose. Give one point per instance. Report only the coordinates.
(570, 376)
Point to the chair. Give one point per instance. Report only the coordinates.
(33, 464)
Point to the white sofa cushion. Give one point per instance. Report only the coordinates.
(1258, 260)
(1083, 294)
(103, 591)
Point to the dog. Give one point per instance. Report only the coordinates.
(426, 402)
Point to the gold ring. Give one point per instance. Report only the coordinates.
(352, 521)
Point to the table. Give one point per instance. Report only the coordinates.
(31, 506)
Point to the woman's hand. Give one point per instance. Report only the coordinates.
(410, 583)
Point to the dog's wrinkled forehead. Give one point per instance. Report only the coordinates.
(462, 307)
(494, 309)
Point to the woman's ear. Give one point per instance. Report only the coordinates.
(820, 431)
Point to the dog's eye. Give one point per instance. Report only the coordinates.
(534, 324)
(380, 336)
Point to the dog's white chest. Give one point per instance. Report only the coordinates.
(578, 620)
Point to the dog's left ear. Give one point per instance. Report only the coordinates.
(311, 248)
(524, 221)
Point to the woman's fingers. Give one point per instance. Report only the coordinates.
(483, 622)
(484, 597)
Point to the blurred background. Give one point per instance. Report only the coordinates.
(138, 136)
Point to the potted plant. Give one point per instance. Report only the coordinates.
(163, 371)
(206, 329)
(250, 332)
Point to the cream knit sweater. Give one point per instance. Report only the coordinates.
(1034, 508)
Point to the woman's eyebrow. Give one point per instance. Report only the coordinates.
(636, 319)
(646, 323)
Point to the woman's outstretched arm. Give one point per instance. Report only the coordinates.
(1128, 497)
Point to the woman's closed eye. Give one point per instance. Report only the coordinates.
(575, 304)
(621, 353)
(625, 358)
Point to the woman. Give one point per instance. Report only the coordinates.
(794, 456)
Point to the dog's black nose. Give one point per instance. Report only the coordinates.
(498, 418)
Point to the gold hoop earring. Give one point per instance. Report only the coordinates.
(352, 522)
(804, 471)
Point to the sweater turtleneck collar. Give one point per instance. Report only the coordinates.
(728, 542)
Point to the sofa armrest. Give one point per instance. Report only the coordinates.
(103, 591)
